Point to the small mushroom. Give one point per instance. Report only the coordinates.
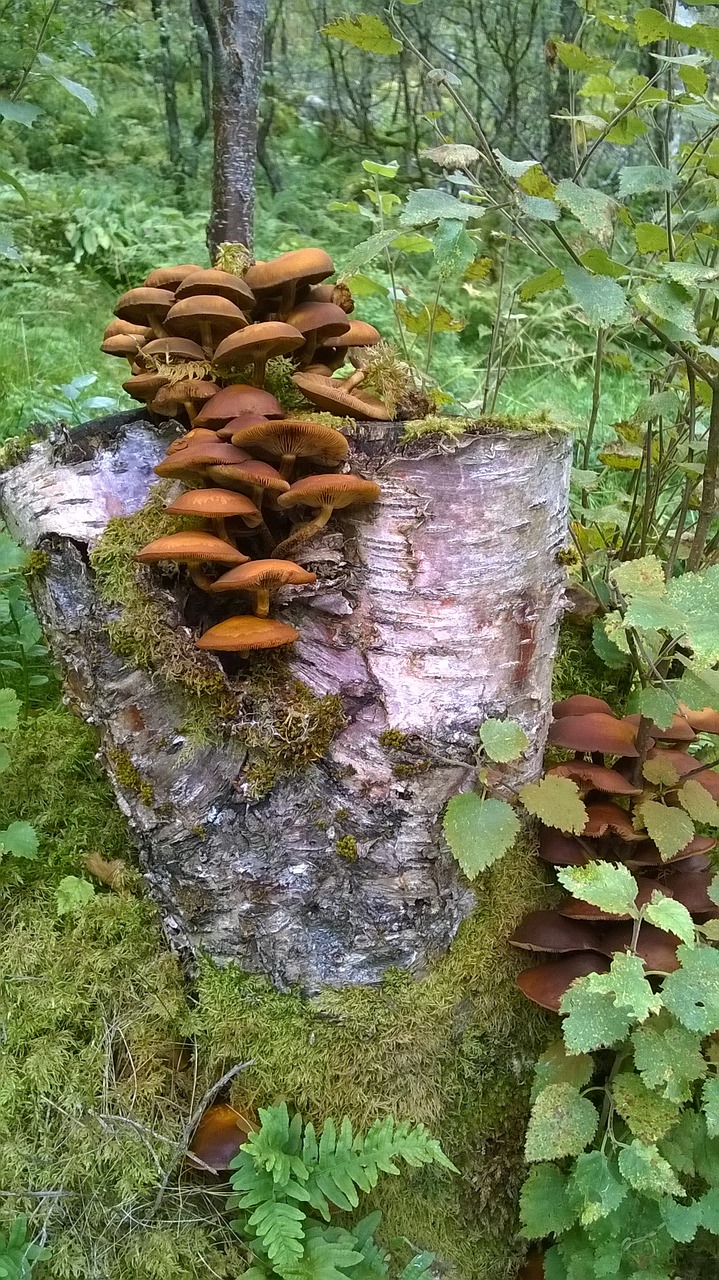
(326, 493)
(580, 704)
(679, 730)
(359, 335)
(684, 763)
(170, 277)
(221, 284)
(206, 319)
(192, 549)
(656, 948)
(200, 453)
(242, 420)
(231, 401)
(170, 350)
(704, 721)
(249, 476)
(263, 577)
(561, 850)
(147, 307)
(594, 777)
(337, 293)
(280, 278)
(144, 386)
(257, 344)
(290, 439)
(604, 817)
(690, 888)
(575, 909)
(647, 855)
(124, 327)
(122, 344)
(319, 323)
(596, 732)
(194, 435)
(218, 1137)
(545, 984)
(242, 634)
(190, 394)
(217, 505)
(548, 931)
(330, 395)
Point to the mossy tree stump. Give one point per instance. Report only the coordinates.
(289, 816)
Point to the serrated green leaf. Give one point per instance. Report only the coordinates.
(606, 885)
(561, 1123)
(599, 262)
(20, 840)
(536, 183)
(668, 1057)
(514, 168)
(365, 32)
(79, 91)
(539, 208)
(649, 613)
(592, 1019)
(628, 985)
(658, 705)
(479, 830)
(692, 992)
(710, 1105)
(594, 1186)
(366, 251)
(670, 829)
(575, 59)
(9, 710)
(592, 208)
(72, 894)
(698, 803)
(601, 299)
(651, 25)
(428, 204)
(644, 575)
(694, 79)
(412, 242)
(605, 648)
(621, 456)
(647, 1171)
(556, 1066)
(682, 1221)
(553, 278)
(362, 286)
(671, 916)
(647, 1114)
(698, 688)
(651, 238)
(637, 180)
(709, 1205)
(660, 771)
(696, 597)
(584, 480)
(663, 404)
(557, 802)
(544, 1207)
(453, 249)
(669, 302)
(503, 740)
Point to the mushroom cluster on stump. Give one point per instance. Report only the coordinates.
(580, 938)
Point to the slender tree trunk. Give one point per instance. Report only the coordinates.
(236, 38)
(169, 89)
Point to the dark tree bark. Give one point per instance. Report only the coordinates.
(169, 90)
(236, 36)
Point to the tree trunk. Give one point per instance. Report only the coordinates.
(169, 89)
(434, 608)
(236, 39)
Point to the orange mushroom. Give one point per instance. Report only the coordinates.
(205, 318)
(262, 577)
(257, 344)
(192, 549)
(218, 1137)
(231, 401)
(242, 634)
(326, 493)
(595, 732)
(145, 306)
(217, 505)
(545, 984)
(290, 439)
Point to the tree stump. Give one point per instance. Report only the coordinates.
(434, 608)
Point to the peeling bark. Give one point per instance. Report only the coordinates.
(433, 609)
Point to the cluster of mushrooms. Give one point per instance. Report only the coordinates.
(246, 466)
(579, 937)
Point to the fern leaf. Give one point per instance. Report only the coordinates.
(325, 1260)
(310, 1151)
(280, 1226)
(275, 1146)
(385, 1142)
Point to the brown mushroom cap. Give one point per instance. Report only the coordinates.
(704, 721)
(684, 763)
(549, 931)
(122, 344)
(297, 438)
(272, 338)
(241, 634)
(249, 474)
(679, 730)
(576, 909)
(604, 816)
(323, 319)
(142, 305)
(231, 401)
(267, 575)
(690, 888)
(694, 854)
(189, 547)
(337, 293)
(561, 850)
(545, 984)
(594, 777)
(170, 349)
(188, 317)
(170, 277)
(219, 1136)
(196, 434)
(580, 704)
(190, 391)
(308, 266)
(328, 394)
(144, 386)
(359, 334)
(209, 452)
(220, 283)
(236, 424)
(596, 731)
(123, 326)
(656, 948)
(214, 504)
(188, 464)
(329, 491)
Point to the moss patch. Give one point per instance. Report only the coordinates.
(290, 727)
(489, 424)
(346, 847)
(578, 669)
(130, 778)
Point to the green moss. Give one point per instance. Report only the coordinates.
(278, 381)
(130, 778)
(394, 740)
(15, 449)
(411, 770)
(488, 424)
(346, 847)
(578, 669)
(291, 727)
(36, 563)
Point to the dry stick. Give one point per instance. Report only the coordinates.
(192, 1123)
(709, 486)
(689, 482)
(495, 327)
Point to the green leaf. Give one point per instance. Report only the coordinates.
(692, 992)
(503, 740)
(557, 802)
(426, 204)
(592, 208)
(660, 771)
(601, 299)
(19, 112)
(647, 1171)
(669, 828)
(453, 249)
(366, 250)
(610, 887)
(544, 1206)
(479, 831)
(698, 803)
(649, 613)
(648, 1115)
(651, 238)
(628, 985)
(594, 1185)
(710, 1105)
(9, 710)
(556, 1066)
(553, 278)
(536, 183)
(605, 648)
(669, 302)
(79, 91)
(663, 404)
(537, 207)
(709, 1205)
(412, 242)
(575, 59)
(365, 32)
(650, 25)
(670, 915)
(12, 181)
(561, 1123)
(621, 456)
(599, 262)
(453, 155)
(713, 890)
(658, 705)
(72, 894)
(668, 1057)
(644, 575)
(280, 1228)
(637, 180)
(694, 79)
(592, 1019)
(381, 170)
(20, 840)
(682, 1221)
(514, 168)
(698, 688)
(696, 597)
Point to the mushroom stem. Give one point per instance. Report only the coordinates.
(287, 464)
(309, 348)
(287, 300)
(258, 370)
(154, 324)
(221, 530)
(199, 578)
(206, 337)
(262, 602)
(191, 410)
(301, 533)
(354, 380)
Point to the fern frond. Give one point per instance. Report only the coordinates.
(386, 1142)
(275, 1146)
(325, 1259)
(280, 1227)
